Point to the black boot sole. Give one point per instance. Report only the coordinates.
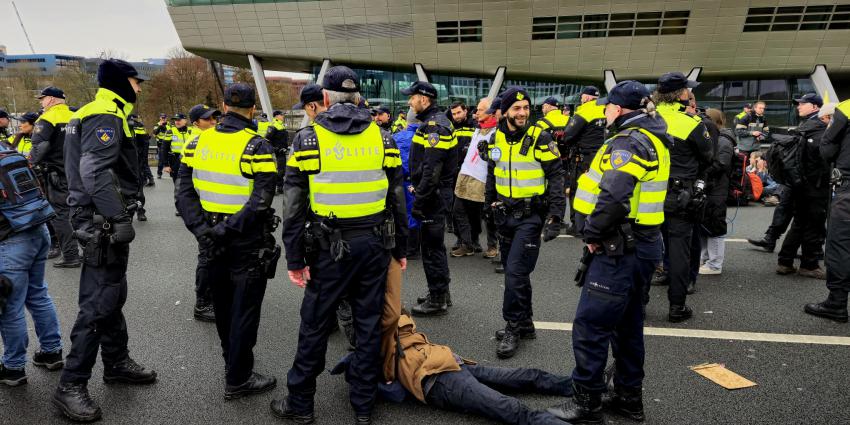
(14, 382)
(202, 318)
(128, 380)
(532, 335)
(68, 265)
(678, 319)
(50, 366)
(249, 392)
(292, 417)
(73, 416)
(430, 313)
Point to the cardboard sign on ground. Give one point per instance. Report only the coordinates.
(718, 374)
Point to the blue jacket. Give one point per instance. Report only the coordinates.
(404, 140)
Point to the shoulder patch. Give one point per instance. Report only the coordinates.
(432, 122)
(495, 154)
(620, 158)
(553, 147)
(433, 139)
(105, 135)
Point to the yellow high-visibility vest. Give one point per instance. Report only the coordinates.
(519, 176)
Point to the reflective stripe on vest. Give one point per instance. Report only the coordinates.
(351, 181)
(844, 107)
(180, 139)
(647, 201)
(25, 145)
(517, 176)
(217, 174)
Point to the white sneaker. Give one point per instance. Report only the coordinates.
(708, 271)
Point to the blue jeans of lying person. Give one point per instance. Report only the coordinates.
(476, 389)
(22, 258)
(610, 312)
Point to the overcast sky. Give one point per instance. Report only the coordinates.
(135, 29)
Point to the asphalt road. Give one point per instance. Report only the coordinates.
(797, 383)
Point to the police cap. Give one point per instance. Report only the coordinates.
(163, 115)
(277, 112)
(3, 113)
(673, 81)
(628, 94)
(30, 117)
(383, 110)
(812, 98)
(310, 93)
(552, 101)
(341, 79)
(118, 66)
(179, 116)
(52, 92)
(420, 87)
(511, 96)
(590, 91)
(240, 95)
(201, 111)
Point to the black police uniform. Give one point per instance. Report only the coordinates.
(689, 158)
(161, 132)
(835, 149)
(102, 172)
(48, 142)
(347, 257)
(142, 141)
(233, 248)
(809, 201)
(433, 161)
(582, 137)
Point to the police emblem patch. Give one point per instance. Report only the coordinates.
(520, 96)
(620, 158)
(433, 139)
(105, 134)
(553, 147)
(496, 154)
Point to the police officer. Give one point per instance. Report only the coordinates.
(22, 142)
(47, 153)
(835, 150)
(263, 124)
(4, 129)
(432, 158)
(400, 122)
(142, 141)
(464, 126)
(225, 191)
(553, 119)
(279, 138)
(341, 179)
(525, 189)
(583, 137)
(383, 118)
(618, 219)
(691, 154)
(203, 118)
(180, 137)
(103, 182)
(162, 132)
(809, 196)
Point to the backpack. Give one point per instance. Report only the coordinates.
(757, 185)
(22, 201)
(785, 159)
(740, 187)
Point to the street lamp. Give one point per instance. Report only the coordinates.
(14, 103)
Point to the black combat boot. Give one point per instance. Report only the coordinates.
(509, 343)
(73, 401)
(526, 331)
(828, 310)
(141, 216)
(49, 361)
(767, 243)
(626, 402)
(128, 372)
(679, 313)
(280, 408)
(204, 312)
(422, 299)
(582, 408)
(256, 384)
(435, 305)
(660, 277)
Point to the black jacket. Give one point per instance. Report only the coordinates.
(340, 119)
(432, 168)
(816, 172)
(717, 174)
(835, 143)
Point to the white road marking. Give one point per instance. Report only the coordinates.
(727, 335)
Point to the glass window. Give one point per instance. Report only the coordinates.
(740, 90)
(801, 86)
(773, 90)
(649, 15)
(709, 91)
(761, 11)
(777, 114)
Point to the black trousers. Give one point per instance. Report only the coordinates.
(238, 283)
(520, 247)
(361, 278)
(782, 214)
(174, 163)
(100, 322)
(468, 218)
(806, 232)
(203, 288)
(678, 232)
(432, 234)
(161, 159)
(57, 194)
(140, 195)
(838, 248)
(476, 389)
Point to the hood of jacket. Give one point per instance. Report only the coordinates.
(345, 118)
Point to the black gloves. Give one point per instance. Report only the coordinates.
(483, 150)
(552, 229)
(698, 199)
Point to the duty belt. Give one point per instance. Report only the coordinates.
(216, 218)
